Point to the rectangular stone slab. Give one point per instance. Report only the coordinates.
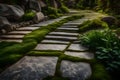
(11, 36)
(60, 47)
(64, 34)
(27, 28)
(86, 55)
(19, 32)
(77, 47)
(75, 70)
(12, 40)
(31, 68)
(69, 26)
(64, 38)
(55, 42)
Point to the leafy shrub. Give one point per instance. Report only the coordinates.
(94, 24)
(29, 15)
(106, 44)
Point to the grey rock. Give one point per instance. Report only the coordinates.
(31, 68)
(59, 47)
(12, 36)
(77, 47)
(4, 21)
(75, 70)
(86, 55)
(38, 17)
(63, 38)
(55, 42)
(11, 12)
(19, 32)
(27, 28)
(11, 40)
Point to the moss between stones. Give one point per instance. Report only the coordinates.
(12, 52)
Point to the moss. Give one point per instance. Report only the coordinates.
(29, 15)
(94, 24)
(63, 9)
(99, 72)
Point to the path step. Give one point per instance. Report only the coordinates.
(54, 42)
(64, 34)
(64, 38)
(11, 36)
(85, 55)
(75, 70)
(31, 68)
(19, 32)
(68, 26)
(59, 47)
(77, 47)
(27, 28)
(12, 40)
(72, 30)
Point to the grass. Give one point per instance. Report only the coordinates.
(10, 52)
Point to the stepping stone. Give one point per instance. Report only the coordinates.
(86, 55)
(31, 68)
(69, 26)
(77, 47)
(64, 34)
(59, 47)
(55, 42)
(11, 36)
(67, 29)
(27, 28)
(12, 40)
(64, 38)
(75, 70)
(19, 32)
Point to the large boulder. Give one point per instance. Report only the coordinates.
(11, 12)
(35, 5)
(38, 17)
(4, 25)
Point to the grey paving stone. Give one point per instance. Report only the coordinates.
(86, 55)
(64, 38)
(60, 47)
(11, 36)
(27, 28)
(69, 26)
(67, 29)
(77, 47)
(64, 34)
(11, 40)
(31, 68)
(19, 32)
(55, 42)
(75, 70)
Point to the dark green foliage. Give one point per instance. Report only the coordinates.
(94, 24)
(29, 15)
(106, 45)
(99, 72)
(55, 78)
(63, 9)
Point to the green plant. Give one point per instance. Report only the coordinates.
(29, 15)
(106, 44)
(63, 9)
(94, 24)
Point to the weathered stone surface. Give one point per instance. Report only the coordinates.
(11, 36)
(31, 68)
(60, 47)
(64, 38)
(19, 32)
(86, 55)
(11, 40)
(35, 5)
(68, 26)
(67, 29)
(27, 28)
(77, 47)
(75, 70)
(55, 42)
(64, 34)
(11, 12)
(71, 24)
(4, 21)
(38, 17)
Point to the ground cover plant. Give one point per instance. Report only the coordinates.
(106, 45)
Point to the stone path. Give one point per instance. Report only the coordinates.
(64, 39)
